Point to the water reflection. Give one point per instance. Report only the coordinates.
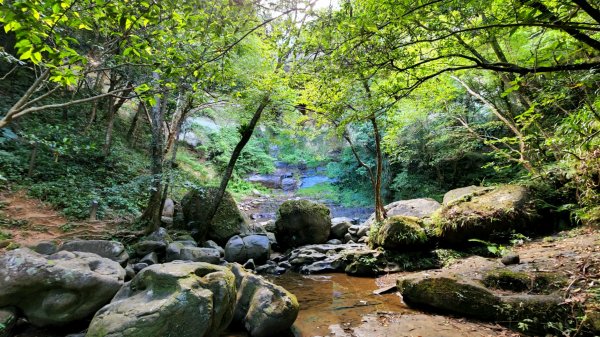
(335, 301)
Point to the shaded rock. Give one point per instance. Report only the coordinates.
(302, 222)
(60, 288)
(168, 208)
(270, 269)
(398, 233)
(458, 193)
(289, 184)
(510, 258)
(227, 222)
(214, 245)
(109, 249)
(171, 299)
(255, 247)
(200, 254)
(45, 247)
(365, 262)
(160, 235)
(150, 259)
(339, 227)
(146, 247)
(418, 208)
(167, 221)
(262, 307)
(347, 238)
(479, 216)
(139, 267)
(456, 294)
(249, 265)
(129, 272)
(8, 320)
(334, 242)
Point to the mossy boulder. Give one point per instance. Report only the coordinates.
(8, 320)
(452, 293)
(462, 192)
(519, 281)
(398, 233)
(484, 214)
(57, 289)
(302, 222)
(227, 222)
(171, 299)
(263, 308)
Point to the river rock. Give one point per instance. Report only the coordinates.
(200, 254)
(255, 247)
(214, 245)
(461, 289)
(171, 299)
(463, 192)
(160, 235)
(289, 184)
(150, 259)
(302, 222)
(334, 242)
(495, 211)
(8, 320)
(419, 208)
(168, 208)
(262, 307)
(146, 247)
(109, 249)
(60, 288)
(227, 222)
(339, 227)
(45, 247)
(398, 233)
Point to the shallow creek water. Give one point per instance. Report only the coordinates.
(330, 302)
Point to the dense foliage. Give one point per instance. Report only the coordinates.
(398, 99)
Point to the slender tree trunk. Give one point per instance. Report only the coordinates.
(152, 214)
(109, 128)
(246, 133)
(380, 213)
(32, 160)
(134, 120)
(92, 117)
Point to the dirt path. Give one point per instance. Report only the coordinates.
(27, 221)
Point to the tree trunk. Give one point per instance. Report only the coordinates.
(109, 128)
(380, 213)
(246, 132)
(32, 160)
(133, 125)
(151, 216)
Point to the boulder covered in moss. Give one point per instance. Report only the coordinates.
(57, 289)
(398, 233)
(227, 222)
(462, 192)
(302, 222)
(263, 308)
(485, 213)
(171, 299)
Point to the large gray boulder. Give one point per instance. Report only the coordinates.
(227, 222)
(60, 288)
(462, 192)
(255, 247)
(109, 249)
(179, 251)
(485, 213)
(262, 307)
(302, 222)
(418, 208)
(171, 299)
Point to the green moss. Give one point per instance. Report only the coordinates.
(535, 283)
(506, 279)
(398, 233)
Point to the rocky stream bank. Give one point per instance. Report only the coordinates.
(194, 278)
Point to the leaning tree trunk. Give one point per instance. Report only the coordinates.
(246, 132)
(151, 216)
